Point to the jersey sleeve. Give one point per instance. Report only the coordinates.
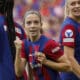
(20, 31)
(68, 36)
(52, 50)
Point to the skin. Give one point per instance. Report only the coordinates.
(74, 64)
(33, 26)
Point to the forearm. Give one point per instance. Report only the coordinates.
(75, 67)
(18, 65)
(70, 52)
(57, 66)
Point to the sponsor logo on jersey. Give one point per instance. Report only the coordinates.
(55, 49)
(68, 40)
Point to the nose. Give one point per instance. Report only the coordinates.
(77, 5)
(32, 25)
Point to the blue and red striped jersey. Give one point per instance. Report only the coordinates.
(52, 51)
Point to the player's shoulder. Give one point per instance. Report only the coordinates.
(43, 38)
(51, 41)
(48, 40)
(69, 21)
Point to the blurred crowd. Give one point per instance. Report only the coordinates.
(52, 12)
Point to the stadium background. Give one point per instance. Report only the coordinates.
(52, 12)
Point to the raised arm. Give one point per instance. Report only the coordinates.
(20, 63)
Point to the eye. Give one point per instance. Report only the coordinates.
(73, 3)
(28, 22)
(36, 22)
(79, 2)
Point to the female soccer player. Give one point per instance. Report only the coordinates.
(70, 38)
(42, 66)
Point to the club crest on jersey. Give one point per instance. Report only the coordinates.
(68, 33)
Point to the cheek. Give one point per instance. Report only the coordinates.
(26, 26)
(71, 8)
(26, 29)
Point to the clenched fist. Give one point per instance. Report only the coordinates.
(40, 57)
(18, 43)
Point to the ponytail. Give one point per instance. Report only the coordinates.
(10, 23)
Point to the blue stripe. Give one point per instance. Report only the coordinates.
(54, 75)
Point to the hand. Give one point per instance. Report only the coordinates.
(18, 43)
(40, 57)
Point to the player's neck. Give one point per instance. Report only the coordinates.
(35, 38)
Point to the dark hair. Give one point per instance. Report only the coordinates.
(7, 6)
(10, 23)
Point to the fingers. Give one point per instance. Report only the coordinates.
(39, 54)
(40, 57)
(18, 42)
(17, 38)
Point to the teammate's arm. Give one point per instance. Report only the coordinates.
(75, 66)
(69, 47)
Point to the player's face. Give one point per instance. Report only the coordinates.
(32, 25)
(74, 7)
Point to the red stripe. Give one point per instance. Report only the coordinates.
(30, 57)
(36, 48)
(45, 74)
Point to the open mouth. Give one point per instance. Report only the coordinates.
(77, 10)
(32, 30)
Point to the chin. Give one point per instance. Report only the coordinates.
(77, 16)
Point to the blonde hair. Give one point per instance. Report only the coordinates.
(66, 11)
